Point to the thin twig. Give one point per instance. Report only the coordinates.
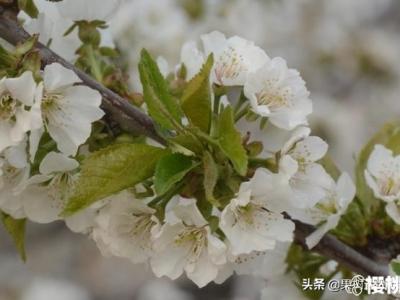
(133, 120)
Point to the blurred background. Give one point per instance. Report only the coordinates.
(347, 51)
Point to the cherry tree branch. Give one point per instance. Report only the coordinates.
(331, 247)
(133, 120)
(126, 115)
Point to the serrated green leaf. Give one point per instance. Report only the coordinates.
(169, 170)
(196, 98)
(16, 229)
(29, 7)
(388, 136)
(230, 141)
(211, 176)
(111, 170)
(161, 105)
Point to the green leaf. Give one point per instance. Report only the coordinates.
(353, 227)
(112, 170)
(230, 141)
(16, 229)
(395, 266)
(29, 7)
(169, 170)
(196, 98)
(161, 105)
(187, 141)
(211, 176)
(388, 136)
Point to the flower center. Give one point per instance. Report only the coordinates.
(245, 214)
(61, 185)
(50, 101)
(8, 107)
(328, 206)
(389, 186)
(274, 99)
(229, 65)
(195, 238)
(142, 225)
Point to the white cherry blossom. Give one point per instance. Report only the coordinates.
(15, 170)
(185, 243)
(128, 228)
(249, 220)
(234, 58)
(383, 174)
(68, 110)
(279, 93)
(47, 192)
(327, 212)
(19, 108)
(383, 177)
(264, 264)
(311, 178)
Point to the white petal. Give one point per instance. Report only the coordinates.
(188, 213)
(310, 149)
(41, 208)
(34, 140)
(56, 162)
(380, 160)
(57, 77)
(22, 88)
(192, 58)
(169, 258)
(17, 156)
(5, 139)
(288, 166)
(392, 209)
(313, 239)
(205, 271)
(298, 134)
(346, 189)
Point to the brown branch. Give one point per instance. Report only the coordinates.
(332, 248)
(133, 120)
(126, 115)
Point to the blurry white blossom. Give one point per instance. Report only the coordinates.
(383, 177)
(327, 212)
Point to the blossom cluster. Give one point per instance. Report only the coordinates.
(251, 224)
(239, 166)
(52, 113)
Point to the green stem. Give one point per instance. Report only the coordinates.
(94, 66)
(242, 113)
(242, 99)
